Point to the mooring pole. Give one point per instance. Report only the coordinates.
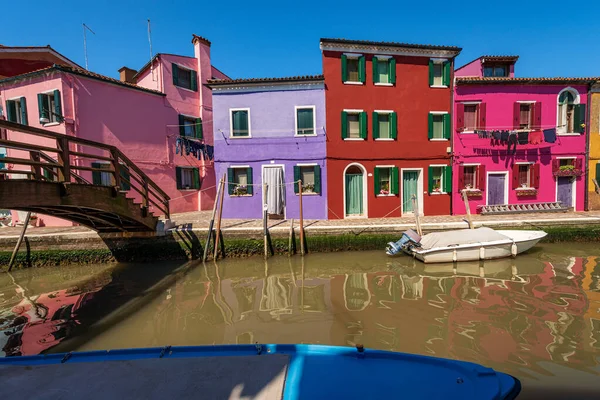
(265, 222)
(291, 243)
(212, 222)
(218, 232)
(468, 209)
(301, 218)
(16, 250)
(417, 216)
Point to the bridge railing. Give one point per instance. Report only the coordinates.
(62, 158)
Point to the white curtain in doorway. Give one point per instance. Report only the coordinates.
(275, 190)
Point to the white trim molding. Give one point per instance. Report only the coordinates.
(420, 204)
(314, 110)
(487, 185)
(365, 213)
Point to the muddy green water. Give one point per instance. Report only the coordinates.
(536, 317)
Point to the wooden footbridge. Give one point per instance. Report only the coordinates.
(87, 182)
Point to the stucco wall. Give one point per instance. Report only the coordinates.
(471, 69)
(272, 122)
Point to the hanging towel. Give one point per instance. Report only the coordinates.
(523, 137)
(496, 135)
(536, 137)
(504, 136)
(550, 135)
(512, 142)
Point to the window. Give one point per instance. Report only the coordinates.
(495, 71)
(523, 175)
(190, 127)
(566, 162)
(239, 181)
(439, 73)
(525, 116)
(305, 120)
(571, 116)
(526, 176)
(188, 178)
(470, 174)
(470, 177)
(354, 124)
(184, 78)
(471, 117)
(439, 126)
(16, 111)
(384, 70)
(240, 122)
(100, 177)
(353, 68)
(310, 175)
(386, 181)
(385, 125)
(49, 107)
(440, 179)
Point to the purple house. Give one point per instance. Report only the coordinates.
(271, 131)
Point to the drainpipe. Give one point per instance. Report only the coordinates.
(587, 148)
(452, 133)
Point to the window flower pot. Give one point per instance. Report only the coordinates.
(568, 172)
(473, 192)
(522, 192)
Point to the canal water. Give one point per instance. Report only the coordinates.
(536, 317)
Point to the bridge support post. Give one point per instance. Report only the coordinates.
(114, 154)
(64, 172)
(37, 171)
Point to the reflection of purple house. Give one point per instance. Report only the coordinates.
(271, 131)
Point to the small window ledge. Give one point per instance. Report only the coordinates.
(439, 86)
(305, 135)
(184, 88)
(383, 84)
(568, 134)
(188, 190)
(467, 132)
(353, 83)
(387, 195)
(308, 194)
(438, 140)
(436, 193)
(384, 140)
(354, 139)
(240, 195)
(240, 137)
(51, 124)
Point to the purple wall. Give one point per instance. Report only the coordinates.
(273, 142)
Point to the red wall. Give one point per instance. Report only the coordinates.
(412, 99)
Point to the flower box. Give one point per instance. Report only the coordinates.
(568, 172)
(522, 192)
(473, 192)
(240, 190)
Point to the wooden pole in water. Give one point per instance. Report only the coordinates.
(16, 250)
(291, 244)
(265, 222)
(218, 231)
(212, 221)
(417, 216)
(466, 200)
(301, 218)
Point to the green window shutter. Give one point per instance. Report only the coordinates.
(598, 172)
(181, 125)
(124, 173)
(23, 111)
(344, 68)
(249, 174)
(430, 179)
(296, 179)
(11, 111)
(318, 179)
(376, 182)
(175, 73)
(430, 126)
(394, 181)
(2, 165)
(447, 126)
(194, 80)
(375, 70)
(394, 125)
(230, 181)
(344, 125)
(447, 179)
(196, 177)
(178, 177)
(198, 129)
(446, 78)
(42, 112)
(430, 72)
(579, 118)
(375, 125)
(362, 118)
(57, 104)
(96, 177)
(362, 68)
(392, 67)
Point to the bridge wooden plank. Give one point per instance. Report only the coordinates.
(27, 161)
(26, 146)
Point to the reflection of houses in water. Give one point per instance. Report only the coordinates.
(591, 284)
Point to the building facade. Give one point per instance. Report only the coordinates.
(388, 127)
(593, 194)
(518, 141)
(156, 121)
(271, 131)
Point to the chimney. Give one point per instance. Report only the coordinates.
(127, 74)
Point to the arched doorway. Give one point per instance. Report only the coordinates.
(355, 195)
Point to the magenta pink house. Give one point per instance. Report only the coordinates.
(145, 114)
(517, 141)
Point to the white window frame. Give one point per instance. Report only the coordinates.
(296, 108)
(576, 101)
(390, 168)
(441, 178)
(354, 56)
(354, 111)
(302, 165)
(179, 66)
(472, 103)
(242, 167)
(439, 61)
(388, 112)
(531, 103)
(387, 58)
(476, 165)
(529, 165)
(439, 139)
(231, 110)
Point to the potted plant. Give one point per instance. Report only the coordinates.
(240, 190)
(568, 170)
(385, 189)
(308, 188)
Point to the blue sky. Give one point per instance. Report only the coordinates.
(281, 38)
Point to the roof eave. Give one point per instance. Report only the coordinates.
(388, 48)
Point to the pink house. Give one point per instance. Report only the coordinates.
(517, 140)
(145, 114)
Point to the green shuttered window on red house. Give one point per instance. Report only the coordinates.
(439, 179)
(385, 181)
(384, 70)
(353, 68)
(354, 125)
(440, 73)
(439, 126)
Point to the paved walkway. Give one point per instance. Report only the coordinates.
(198, 221)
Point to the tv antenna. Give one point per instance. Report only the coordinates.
(86, 28)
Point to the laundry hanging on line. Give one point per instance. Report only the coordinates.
(183, 145)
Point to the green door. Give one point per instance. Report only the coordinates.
(409, 189)
(354, 194)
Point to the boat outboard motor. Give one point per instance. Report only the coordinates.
(409, 238)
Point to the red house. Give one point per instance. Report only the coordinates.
(388, 126)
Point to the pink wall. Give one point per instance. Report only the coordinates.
(499, 100)
(475, 68)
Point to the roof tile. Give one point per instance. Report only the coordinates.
(496, 80)
(391, 44)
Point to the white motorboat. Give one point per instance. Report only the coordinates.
(465, 244)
